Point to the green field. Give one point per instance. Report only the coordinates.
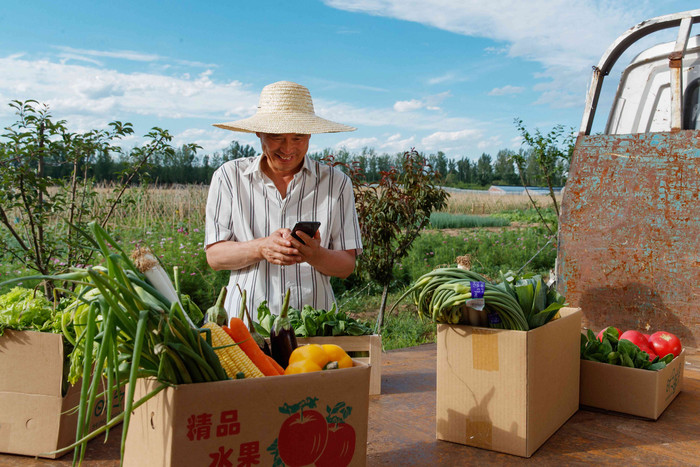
(171, 223)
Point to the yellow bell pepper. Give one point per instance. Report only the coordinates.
(301, 366)
(337, 354)
(314, 357)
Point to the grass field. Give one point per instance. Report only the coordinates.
(171, 222)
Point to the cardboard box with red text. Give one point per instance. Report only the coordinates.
(507, 391)
(354, 345)
(632, 391)
(313, 418)
(34, 418)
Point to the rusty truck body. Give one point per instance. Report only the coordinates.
(629, 235)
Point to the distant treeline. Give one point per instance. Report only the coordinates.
(188, 167)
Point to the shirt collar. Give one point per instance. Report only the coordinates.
(307, 167)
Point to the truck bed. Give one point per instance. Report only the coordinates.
(402, 427)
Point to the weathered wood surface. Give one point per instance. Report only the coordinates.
(402, 428)
(629, 232)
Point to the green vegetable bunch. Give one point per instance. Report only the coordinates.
(539, 302)
(516, 302)
(25, 309)
(311, 322)
(618, 352)
(125, 328)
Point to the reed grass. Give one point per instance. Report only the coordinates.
(488, 203)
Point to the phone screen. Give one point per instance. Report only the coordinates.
(308, 227)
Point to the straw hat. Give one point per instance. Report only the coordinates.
(285, 107)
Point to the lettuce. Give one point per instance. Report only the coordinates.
(22, 309)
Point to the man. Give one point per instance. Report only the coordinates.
(254, 202)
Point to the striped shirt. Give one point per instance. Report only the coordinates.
(244, 204)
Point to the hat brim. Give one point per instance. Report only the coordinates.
(280, 122)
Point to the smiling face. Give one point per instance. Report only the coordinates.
(283, 153)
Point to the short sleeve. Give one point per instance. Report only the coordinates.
(349, 236)
(219, 213)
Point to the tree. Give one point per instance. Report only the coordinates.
(484, 172)
(236, 151)
(504, 169)
(41, 214)
(451, 167)
(439, 162)
(466, 170)
(547, 151)
(392, 213)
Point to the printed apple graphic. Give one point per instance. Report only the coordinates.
(302, 436)
(340, 446)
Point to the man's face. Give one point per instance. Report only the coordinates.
(284, 153)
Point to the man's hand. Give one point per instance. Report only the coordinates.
(279, 248)
(282, 249)
(338, 263)
(276, 249)
(309, 250)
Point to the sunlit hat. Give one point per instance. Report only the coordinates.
(285, 107)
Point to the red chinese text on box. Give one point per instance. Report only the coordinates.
(249, 455)
(199, 426)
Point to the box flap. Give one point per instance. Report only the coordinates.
(553, 388)
(29, 423)
(481, 380)
(31, 362)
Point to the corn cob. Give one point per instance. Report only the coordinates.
(233, 359)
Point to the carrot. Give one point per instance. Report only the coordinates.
(275, 365)
(239, 332)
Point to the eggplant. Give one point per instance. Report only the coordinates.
(282, 338)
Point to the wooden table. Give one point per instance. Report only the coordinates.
(402, 428)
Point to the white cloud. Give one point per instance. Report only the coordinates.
(66, 57)
(430, 102)
(407, 106)
(447, 77)
(487, 143)
(353, 144)
(89, 96)
(80, 89)
(506, 90)
(120, 54)
(564, 37)
(540, 30)
(212, 140)
(437, 139)
(396, 143)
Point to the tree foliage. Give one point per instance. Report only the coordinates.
(550, 153)
(40, 214)
(392, 214)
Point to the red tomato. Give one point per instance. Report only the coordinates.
(635, 337)
(649, 351)
(646, 336)
(600, 334)
(340, 446)
(302, 440)
(665, 343)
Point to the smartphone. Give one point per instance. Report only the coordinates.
(308, 227)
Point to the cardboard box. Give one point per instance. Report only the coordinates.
(507, 391)
(33, 412)
(353, 345)
(254, 421)
(632, 391)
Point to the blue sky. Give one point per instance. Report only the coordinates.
(431, 75)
